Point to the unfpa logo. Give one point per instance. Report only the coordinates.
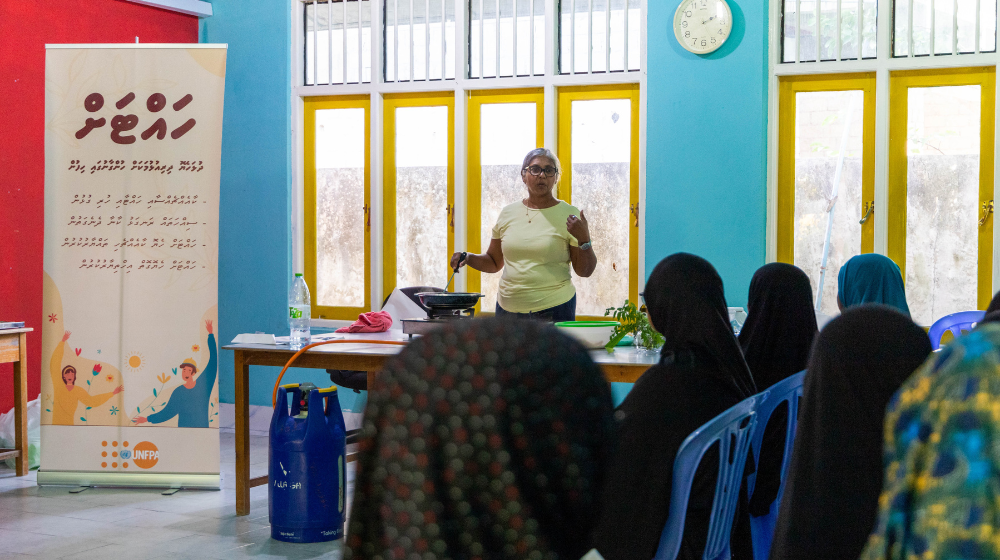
(145, 455)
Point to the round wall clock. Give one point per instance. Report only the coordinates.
(702, 26)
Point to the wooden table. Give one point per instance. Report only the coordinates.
(626, 364)
(14, 349)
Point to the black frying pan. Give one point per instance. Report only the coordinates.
(449, 300)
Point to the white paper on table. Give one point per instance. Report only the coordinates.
(400, 306)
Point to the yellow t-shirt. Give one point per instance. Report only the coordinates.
(535, 257)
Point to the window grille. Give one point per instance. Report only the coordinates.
(943, 27)
(821, 30)
(337, 42)
(598, 36)
(419, 40)
(506, 38)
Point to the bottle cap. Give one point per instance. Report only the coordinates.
(297, 274)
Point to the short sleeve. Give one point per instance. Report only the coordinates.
(501, 226)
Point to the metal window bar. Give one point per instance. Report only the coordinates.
(395, 42)
(954, 27)
(412, 73)
(978, 24)
(861, 26)
(607, 36)
(625, 50)
(315, 44)
(909, 30)
(427, 40)
(572, 40)
(531, 36)
(819, 37)
(444, 48)
(361, 77)
(933, 14)
(482, 40)
(329, 40)
(590, 36)
(839, 41)
(514, 68)
(798, 31)
(496, 35)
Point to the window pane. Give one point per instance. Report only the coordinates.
(942, 198)
(943, 21)
(828, 146)
(601, 146)
(421, 196)
(331, 29)
(432, 45)
(586, 44)
(507, 134)
(492, 55)
(855, 26)
(340, 198)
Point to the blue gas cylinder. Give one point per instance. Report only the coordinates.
(306, 482)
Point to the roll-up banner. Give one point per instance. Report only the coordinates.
(130, 356)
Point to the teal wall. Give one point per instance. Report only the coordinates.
(706, 145)
(255, 244)
(705, 170)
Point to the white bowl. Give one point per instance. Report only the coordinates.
(592, 334)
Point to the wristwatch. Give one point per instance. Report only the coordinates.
(586, 245)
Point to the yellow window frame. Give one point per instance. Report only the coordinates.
(311, 105)
(788, 87)
(390, 103)
(474, 186)
(899, 83)
(566, 96)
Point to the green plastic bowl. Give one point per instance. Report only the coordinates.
(592, 334)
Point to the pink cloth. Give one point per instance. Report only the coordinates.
(374, 321)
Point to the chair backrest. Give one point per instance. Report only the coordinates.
(787, 390)
(732, 429)
(956, 323)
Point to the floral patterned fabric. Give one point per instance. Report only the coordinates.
(941, 496)
(486, 439)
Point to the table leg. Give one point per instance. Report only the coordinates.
(242, 387)
(21, 406)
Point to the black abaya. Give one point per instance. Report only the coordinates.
(701, 374)
(831, 499)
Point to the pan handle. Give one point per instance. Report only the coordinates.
(464, 255)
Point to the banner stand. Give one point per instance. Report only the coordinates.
(138, 480)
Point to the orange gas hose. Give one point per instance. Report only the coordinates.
(274, 395)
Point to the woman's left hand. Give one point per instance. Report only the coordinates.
(577, 227)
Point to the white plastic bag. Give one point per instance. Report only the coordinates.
(34, 432)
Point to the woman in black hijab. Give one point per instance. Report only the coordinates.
(780, 325)
(776, 339)
(485, 439)
(831, 499)
(701, 374)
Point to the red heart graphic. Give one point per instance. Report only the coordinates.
(78, 350)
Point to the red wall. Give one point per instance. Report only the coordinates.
(25, 27)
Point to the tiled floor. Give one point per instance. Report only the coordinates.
(105, 524)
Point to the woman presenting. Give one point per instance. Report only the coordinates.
(534, 241)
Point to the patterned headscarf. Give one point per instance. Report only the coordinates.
(485, 439)
(941, 495)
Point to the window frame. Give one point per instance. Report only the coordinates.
(567, 95)
(311, 105)
(883, 66)
(461, 88)
(389, 105)
(789, 86)
(473, 207)
(899, 83)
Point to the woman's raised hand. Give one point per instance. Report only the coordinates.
(578, 228)
(457, 261)
(66, 335)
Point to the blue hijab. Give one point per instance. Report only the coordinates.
(871, 278)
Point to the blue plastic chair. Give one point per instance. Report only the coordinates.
(732, 429)
(787, 390)
(956, 323)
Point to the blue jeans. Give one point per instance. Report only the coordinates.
(562, 312)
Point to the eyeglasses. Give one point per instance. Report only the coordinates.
(537, 171)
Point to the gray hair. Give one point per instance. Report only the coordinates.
(542, 152)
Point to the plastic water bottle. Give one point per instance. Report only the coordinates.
(299, 312)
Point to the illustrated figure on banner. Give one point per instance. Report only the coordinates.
(190, 402)
(66, 394)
